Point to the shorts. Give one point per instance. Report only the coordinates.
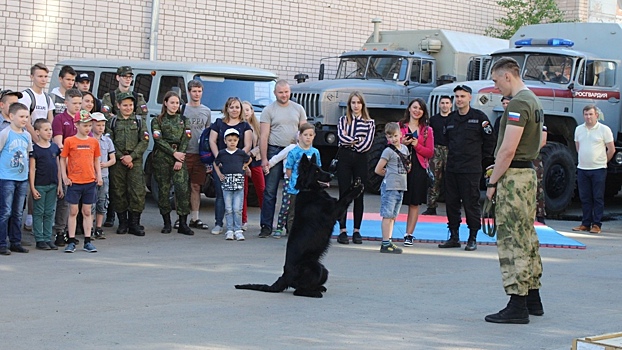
(196, 169)
(85, 192)
(390, 202)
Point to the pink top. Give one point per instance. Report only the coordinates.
(425, 144)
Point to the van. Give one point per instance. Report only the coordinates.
(154, 79)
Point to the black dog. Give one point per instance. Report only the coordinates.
(315, 217)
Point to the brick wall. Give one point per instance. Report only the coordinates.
(285, 36)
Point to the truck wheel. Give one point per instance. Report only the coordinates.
(613, 183)
(373, 180)
(560, 176)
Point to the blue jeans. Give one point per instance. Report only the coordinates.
(233, 209)
(11, 210)
(43, 211)
(592, 193)
(219, 202)
(272, 187)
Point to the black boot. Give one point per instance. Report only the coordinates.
(472, 242)
(109, 219)
(515, 312)
(453, 241)
(135, 227)
(123, 223)
(429, 211)
(534, 304)
(167, 223)
(183, 226)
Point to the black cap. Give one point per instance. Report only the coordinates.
(10, 92)
(83, 77)
(463, 88)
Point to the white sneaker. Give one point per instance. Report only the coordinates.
(239, 236)
(217, 230)
(245, 226)
(229, 236)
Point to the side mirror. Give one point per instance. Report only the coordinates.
(571, 86)
(321, 75)
(406, 83)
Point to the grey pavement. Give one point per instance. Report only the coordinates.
(176, 292)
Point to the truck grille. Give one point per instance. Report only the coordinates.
(310, 102)
(433, 103)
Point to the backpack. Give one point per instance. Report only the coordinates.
(205, 152)
(139, 121)
(33, 100)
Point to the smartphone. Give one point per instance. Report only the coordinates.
(412, 135)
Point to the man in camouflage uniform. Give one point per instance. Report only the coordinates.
(513, 183)
(127, 184)
(171, 135)
(109, 108)
(438, 162)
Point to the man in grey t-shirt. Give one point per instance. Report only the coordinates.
(279, 124)
(199, 117)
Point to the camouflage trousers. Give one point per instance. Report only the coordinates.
(517, 241)
(165, 175)
(438, 164)
(539, 167)
(127, 187)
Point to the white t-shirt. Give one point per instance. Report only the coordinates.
(592, 142)
(43, 104)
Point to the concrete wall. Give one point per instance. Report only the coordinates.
(285, 36)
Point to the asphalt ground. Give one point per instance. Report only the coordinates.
(176, 292)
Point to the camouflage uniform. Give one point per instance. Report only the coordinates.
(170, 136)
(130, 137)
(539, 167)
(110, 107)
(438, 163)
(519, 257)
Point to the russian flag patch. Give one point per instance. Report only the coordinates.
(513, 116)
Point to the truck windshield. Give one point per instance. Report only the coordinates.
(365, 67)
(544, 67)
(216, 91)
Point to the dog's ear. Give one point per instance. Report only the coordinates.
(313, 159)
(304, 160)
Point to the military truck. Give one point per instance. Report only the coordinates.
(567, 65)
(391, 69)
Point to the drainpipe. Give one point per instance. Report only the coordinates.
(376, 22)
(153, 36)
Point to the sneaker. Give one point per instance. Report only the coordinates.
(277, 234)
(42, 246)
(265, 232)
(89, 247)
(51, 245)
(229, 236)
(343, 238)
(595, 229)
(99, 234)
(60, 239)
(239, 236)
(70, 248)
(28, 223)
(245, 226)
(176, 225)
(217, 230)
(408, 240)
(391, 248)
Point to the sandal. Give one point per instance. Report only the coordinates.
(198, 224)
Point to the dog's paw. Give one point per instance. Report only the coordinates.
(308, 293)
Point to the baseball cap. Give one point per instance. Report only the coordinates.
(463, 88)
(124, 95)
(83, 77)
(82, 116)
(124, 70)
(97, 116)
(8, 92)
(232, 131)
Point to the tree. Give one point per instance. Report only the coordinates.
(525, 12)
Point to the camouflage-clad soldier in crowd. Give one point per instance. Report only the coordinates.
(109, 108)
(127, 184)
(171, 134)
(438, 122)
(513, 183)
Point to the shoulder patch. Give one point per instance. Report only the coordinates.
(156, 134)
(105, 109)
(513, 116)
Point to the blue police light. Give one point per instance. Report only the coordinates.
(544, 42)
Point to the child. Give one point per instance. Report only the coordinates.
(283, 222)
(15, 144)
(306, 134)
(45, 184)
(393, 185)
(106, 148)
(81, 174)
(230, 166)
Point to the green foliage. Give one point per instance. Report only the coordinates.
(524, 12)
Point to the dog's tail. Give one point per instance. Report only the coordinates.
(276, 287)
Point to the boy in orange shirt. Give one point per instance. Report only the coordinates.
(81, 174)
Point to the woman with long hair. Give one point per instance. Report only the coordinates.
(232, 118)
(419, 137)
(356, 135)
(256, 172)
(171, 135)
